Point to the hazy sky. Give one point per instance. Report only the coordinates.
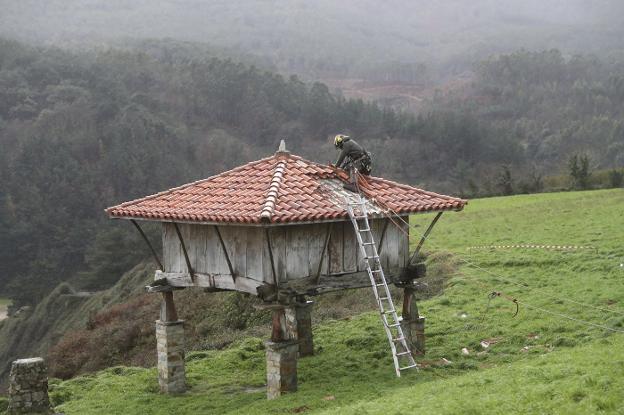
(327, 30)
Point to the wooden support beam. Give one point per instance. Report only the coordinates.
(382, 237)
(270, 246)
(278, 317)
(325, 245)
(225, 252)
(168, 311)
(309, 286)
(154, 255)
(215, 281)
(410, 308)
(424, 237)
(186, 257)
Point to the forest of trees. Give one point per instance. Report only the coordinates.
(550, 108)
(81, 131)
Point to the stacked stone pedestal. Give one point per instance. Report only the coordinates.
(170, 347)
(281, 360)
(299, 326)
(28, 387)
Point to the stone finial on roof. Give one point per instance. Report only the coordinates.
(282, 148)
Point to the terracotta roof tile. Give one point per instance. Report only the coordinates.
(283, 188)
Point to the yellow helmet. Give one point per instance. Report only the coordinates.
(338, 139)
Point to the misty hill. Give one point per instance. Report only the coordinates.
(82, 131)
(365, 39)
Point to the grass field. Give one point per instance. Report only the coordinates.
(539, 361)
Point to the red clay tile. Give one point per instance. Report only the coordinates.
(283, 188)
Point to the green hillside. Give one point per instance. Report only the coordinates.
(539, 361)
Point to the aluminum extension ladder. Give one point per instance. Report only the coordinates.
(401, 354)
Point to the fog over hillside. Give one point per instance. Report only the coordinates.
(324, 39)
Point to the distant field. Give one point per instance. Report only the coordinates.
(539, 361)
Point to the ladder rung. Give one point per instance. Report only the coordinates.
(398, 339)
(371, 257)
(364, 230)
(393, 325)
(368, 243)
(380, 285)
(409, 367)
(388, 312)
(403, 353)
(384, 298)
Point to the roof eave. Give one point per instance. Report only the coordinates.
(264, 223)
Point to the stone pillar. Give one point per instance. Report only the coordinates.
(412, 324)
(170, 347)
(299, 326)
(28, 387)
(281, 360)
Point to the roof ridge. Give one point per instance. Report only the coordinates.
(273, 192)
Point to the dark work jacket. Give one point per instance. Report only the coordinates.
(350, 149)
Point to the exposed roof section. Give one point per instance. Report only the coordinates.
(283, 188)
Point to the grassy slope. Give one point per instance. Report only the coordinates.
(32, 333)
(539, 363)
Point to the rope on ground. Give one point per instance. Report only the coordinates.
(518, 302)
(553, 247)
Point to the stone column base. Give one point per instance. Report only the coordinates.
(281, 367)
(414, 331)
(170, 347)
(28, 387)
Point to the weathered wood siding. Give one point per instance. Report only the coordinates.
(296, 250)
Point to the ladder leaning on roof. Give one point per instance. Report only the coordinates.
(401, 354)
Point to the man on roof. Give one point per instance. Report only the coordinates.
(353, 158)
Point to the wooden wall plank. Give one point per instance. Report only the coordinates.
(335, 249)
(186, 230)
(174, 259)
(267, 270)
(376, 227)
(316, 234)
(392, 238)
(350, 248)
(235, 240)
(297, 251)
(255, 240)
(404, 243)
(278, 242)
(197, 244)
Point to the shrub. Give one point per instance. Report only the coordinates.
(616, 178)
(579, 169)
